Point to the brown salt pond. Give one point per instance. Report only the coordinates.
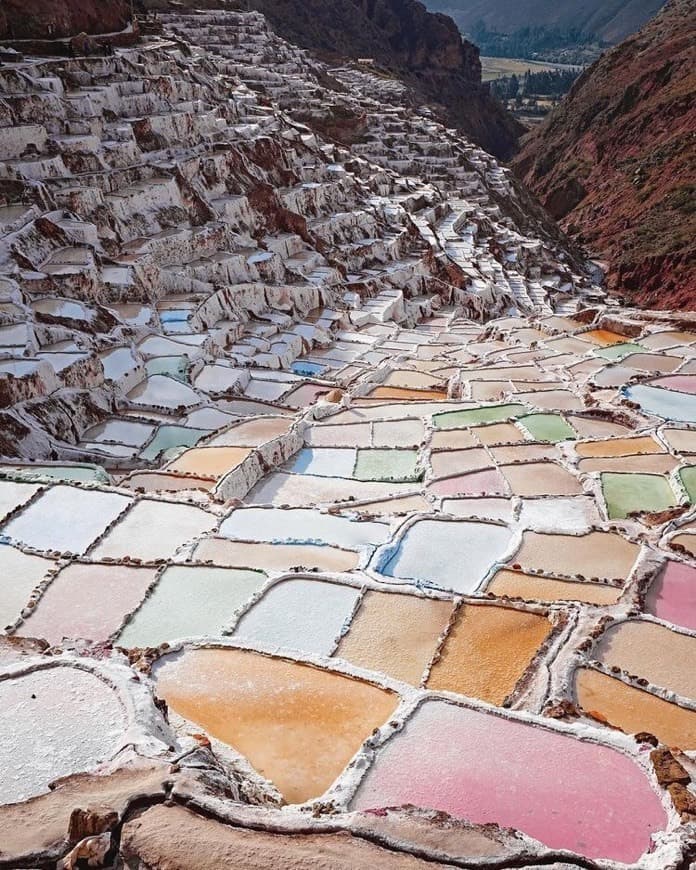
(633, 710)
(651, 463)
(297, 725)
(275, 557)
(597, 554)
(158, 481)
(664, 657)
(517, 584)
(395, 634)
(453, 462)
(540, 478)
(487, 651)
(498, 433)
(403, 394)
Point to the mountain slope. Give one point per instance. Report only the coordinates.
(610, 20)
(38, 19)
(616, 162)
(423, 49)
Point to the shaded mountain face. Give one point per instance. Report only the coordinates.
(608, 20)
(616, 162)
(45, 19)
(423, 49)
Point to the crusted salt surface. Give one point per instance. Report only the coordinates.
(42, 707)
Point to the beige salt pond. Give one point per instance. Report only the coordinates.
(597, 554)
(297, 725)
(395, 634)
(212, 462)
(540, 478)
(517, 584)
(664, 657)
(618, 447)
(276, 557)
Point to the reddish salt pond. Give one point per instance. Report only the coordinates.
(88, 601)
(487, 768)
(672, 596)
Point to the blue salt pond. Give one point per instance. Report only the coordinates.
(667, 404)
(306, 615)
(450, 555)
(307, 369)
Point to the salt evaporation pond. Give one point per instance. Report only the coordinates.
(667, 404)
(305, 615)
(190, 601)
(297, 725)
(487, 768)
(45, 707)
(66, 518)
(452, 555)
(672, 596)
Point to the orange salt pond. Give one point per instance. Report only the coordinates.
(487, 651)
(516, 584)
(209, 461)
(402, 393)
(664, 657)
(633, 710)
(602, 337)
(299, 726)
(619, 447)
(395, 634)
(597, 554)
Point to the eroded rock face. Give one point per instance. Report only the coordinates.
(422, 48)
(37, 19)
(614, 163)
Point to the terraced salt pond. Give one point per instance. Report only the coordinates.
(297, 725)
(484, 767)
(41, 706)
(454, 556)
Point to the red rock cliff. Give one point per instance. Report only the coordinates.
(47, 19)
(616, 163)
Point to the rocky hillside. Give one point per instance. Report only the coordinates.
(39, 19)
(424, 49)
(616, 163)
(608, 20)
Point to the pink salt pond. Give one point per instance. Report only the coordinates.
(489, 482)
(567, 793)
(672, 596)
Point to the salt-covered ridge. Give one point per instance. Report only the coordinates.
(338, 461)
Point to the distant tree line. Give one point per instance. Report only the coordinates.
(554, 83)
(527, 41)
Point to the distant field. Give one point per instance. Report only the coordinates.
(499, 67)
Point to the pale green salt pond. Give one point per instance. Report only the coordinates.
(548, 427)
(627, 493)
(385, 464)
(190, 601)
(476, 416)
(168, 437)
